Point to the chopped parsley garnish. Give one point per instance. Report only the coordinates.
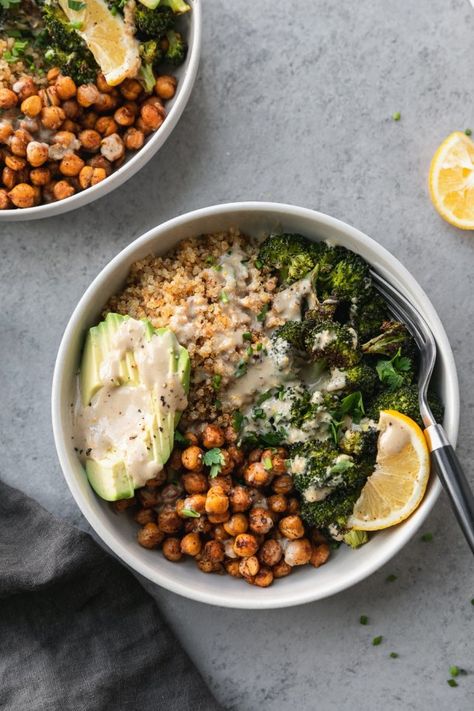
(258, 264)
(259, 414)
(216, 381)
(452, 682)
(241, 369)
(214, 459)
(391, 372)
(190, 513)
(261, 316)
(247, 336)
(377, 640)
(390, 578)
(351, 405)
(249, 351)
(427, 537)
(224, 297)
(16, 51)
(393, 655)
(259, 346)
(454, 671)
(364, 620)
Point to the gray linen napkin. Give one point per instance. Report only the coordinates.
(77, 631)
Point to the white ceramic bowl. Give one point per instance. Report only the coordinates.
(186, 74)
(346, 567)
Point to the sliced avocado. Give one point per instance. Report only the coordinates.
(109, 479)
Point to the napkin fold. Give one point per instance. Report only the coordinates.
(77, 631)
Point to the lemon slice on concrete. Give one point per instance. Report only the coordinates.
(109, 37)
(451, 180)
(399, 481)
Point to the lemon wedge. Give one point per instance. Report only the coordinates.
(399, 481)
(451, 180)
(109, 38)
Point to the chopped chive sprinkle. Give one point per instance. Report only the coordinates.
(468, 132)
(216, 381)
(224, 297)
(259, 346)
(247, 336)
(393, 655)
(258, 414)
(396, 116)
(390, 578)
(364, 620)
(452, 682)
(241, 369)
(377, 640)
(190, 513)
(427, 537)
(263, 313)
(249, 351)
(267, 462)
(454, 671)
(258, 264)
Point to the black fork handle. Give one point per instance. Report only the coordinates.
(449, 470)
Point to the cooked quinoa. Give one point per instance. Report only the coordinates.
(190, 290)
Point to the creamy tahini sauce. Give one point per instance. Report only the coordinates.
(120, 420)
(392, 440)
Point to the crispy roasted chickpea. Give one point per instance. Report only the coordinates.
(168, 520)
(293, 505)
(37, 153)
(194, 502)
(90, 140)
(291, 527)
(112, 147)
(151, 116)
(191, 438)
(130, 89)
(101, 162)
(232, 567)
(277, 459)
(277, 503)
(144, 516)
(298, 552)
(71, 165)
(219, 532)
(87, 94)
(19, 142)
(214, 550)
(225, 482)
(165, 87)
(53, 74)
(123, 504)
(238, 523)
(231, 435)
(141, 126)
(102, 85)
(260, 520)
(124, 116)
(264, 577)
(320, 554)
(91, 176)
(198, 525)
(9, 177)
(52, 117)
(208, 566)
(281, 569)
(191, 544)
(248, 567)
(23, 195)
(191, 458)
(245, 545)
(282, 484)
(32, 106)
(148, 498)
(172, 549)
(255, 455)
(105, 103)
(6, 130)
(150, 536)
(212, 436)
(8, 99)
(270, 552)
(158, 480)
(4, 200)
(240, 499)
(15, 162)
(72, 109)
(65, 87)
(256, 475)
(25, 87)
(227, 464)
(219, 518)
(105, 125)
(236, 454)
(195, 482)
(216, 501)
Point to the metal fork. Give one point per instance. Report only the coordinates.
(443, 457)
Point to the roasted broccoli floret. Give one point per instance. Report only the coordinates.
(368, 315)
(176, 48)
(360, 443)
(65, 48)
(179, 7)
(332, 342)
(291, 332)
(360, 377)
(393, 338)
(154, 23)
(316, 466)
(355, 539)
(291, 255)
(349, 278)
(334, 509)
(404, 400)
(150, 53)
(323, 311)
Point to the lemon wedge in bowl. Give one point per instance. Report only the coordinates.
(109, 37)
(451, 180)
(399, 481)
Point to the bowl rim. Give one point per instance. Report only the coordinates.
(139, 159)
(311, 593)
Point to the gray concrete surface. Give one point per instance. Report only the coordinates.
(293, 103)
